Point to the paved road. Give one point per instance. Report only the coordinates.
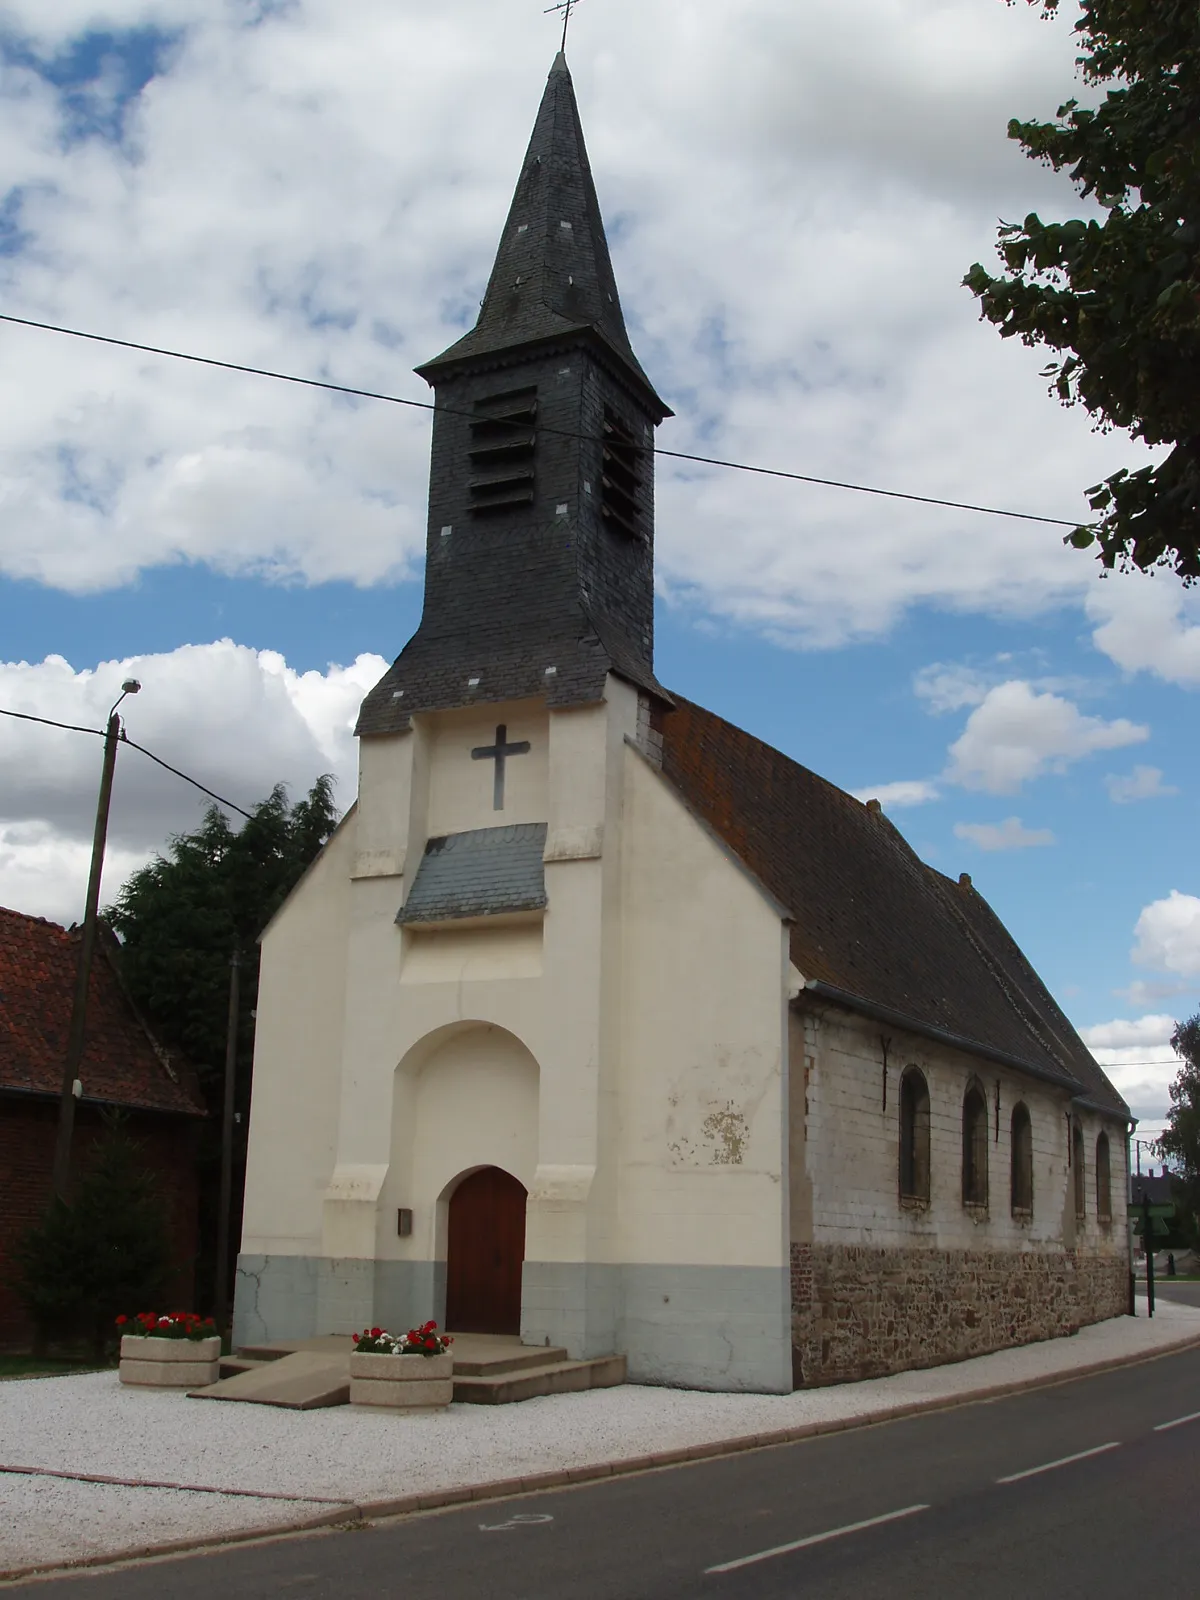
(977, 1501)
(1187, 1294)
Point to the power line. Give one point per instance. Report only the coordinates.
(195, 782)
(425, 405)
(71, 727)
(49, 722)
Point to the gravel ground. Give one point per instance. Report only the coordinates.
(48, 1520)
(92, 1424)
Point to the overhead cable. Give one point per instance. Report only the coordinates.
(71, 727)
(425, 405)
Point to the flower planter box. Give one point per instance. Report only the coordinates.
(170, 1363)
(401, 1382)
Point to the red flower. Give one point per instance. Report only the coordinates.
(121, 1321)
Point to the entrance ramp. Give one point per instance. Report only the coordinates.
(296, 1379)
(490, 1369)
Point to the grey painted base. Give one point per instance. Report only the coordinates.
(721, 1328)
(301, 1297)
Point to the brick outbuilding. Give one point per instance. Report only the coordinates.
(123, 1066)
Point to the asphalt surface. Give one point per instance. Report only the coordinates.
(1122, 1516)
(1187, 1294)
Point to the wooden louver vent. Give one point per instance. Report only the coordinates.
(503, 444)
(620, 477)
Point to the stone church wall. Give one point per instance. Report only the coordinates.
(882, 1284)
(861, 1312)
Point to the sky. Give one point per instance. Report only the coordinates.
(793, 193)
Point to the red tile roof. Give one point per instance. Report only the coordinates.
(872, 921)
(122, 1063)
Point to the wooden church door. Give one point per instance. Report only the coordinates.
(485, 1254)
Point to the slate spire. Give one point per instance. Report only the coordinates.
(553, 273)
(539, 569)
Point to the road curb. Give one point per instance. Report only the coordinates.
(356, 1513)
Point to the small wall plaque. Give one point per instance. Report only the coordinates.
(404, 1222)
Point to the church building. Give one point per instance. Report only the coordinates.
(602, 1022)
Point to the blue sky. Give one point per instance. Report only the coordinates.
(269, 185)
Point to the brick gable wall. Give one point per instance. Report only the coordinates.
(27, 1133)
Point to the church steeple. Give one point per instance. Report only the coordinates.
(553, 273)
(540, 557)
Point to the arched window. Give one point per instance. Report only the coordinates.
(1078, 1172)
(1103, 1180)
(914, 1136)
(1022, 1163)
(974, 1145)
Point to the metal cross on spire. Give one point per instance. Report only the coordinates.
(567, 7)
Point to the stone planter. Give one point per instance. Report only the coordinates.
(401, 1382)
(170, 1363)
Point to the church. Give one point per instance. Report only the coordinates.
(601, 1021)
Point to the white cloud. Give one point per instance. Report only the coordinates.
(322, 192)
(907, 792)
(1143, 783)
(238, 720)
(1011, 834)
(1136, 1055)
(1140, 993)
(44, 873)
(1168, 935)
(1124, 1033)
(1016, 734)
(1148, 623)
(950, 687)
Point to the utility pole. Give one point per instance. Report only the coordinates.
(226, 1192)
(1148, 1244)
(77, 1035)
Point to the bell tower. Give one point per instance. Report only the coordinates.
(539, 576)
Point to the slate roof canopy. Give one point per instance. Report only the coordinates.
(482, 873)
(872, 921)
(122, 1063)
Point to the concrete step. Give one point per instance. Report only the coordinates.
(259, 1353)
(482, 1364)
(232, 1365)
(330, 1344)
(527, 1383)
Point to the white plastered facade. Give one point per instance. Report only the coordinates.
(623, 1054)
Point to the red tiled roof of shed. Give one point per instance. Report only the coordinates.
(122, 1064)
(871, 919)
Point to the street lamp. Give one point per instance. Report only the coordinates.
(87, 947)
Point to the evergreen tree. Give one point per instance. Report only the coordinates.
(106, 1253)
(1119, 296)
(1180, 1142)
(179, 919)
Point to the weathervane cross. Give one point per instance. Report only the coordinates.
(567, 7)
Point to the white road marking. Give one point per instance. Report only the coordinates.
(815, 1538)
(523, 1519)
(1178, 1422)
(1064, 1461)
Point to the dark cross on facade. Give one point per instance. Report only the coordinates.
(567, 7)
(499, 753)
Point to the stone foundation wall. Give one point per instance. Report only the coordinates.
(862, 1312)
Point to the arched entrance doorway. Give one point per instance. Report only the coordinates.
(485, 1253)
